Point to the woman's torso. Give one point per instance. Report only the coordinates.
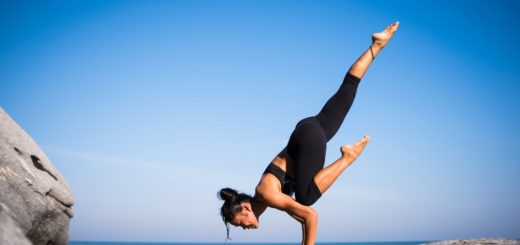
(277, 178)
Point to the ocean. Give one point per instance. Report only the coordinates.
(232, 243)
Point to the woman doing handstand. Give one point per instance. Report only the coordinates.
(299, 168)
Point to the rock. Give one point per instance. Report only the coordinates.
(32, 192)
(480, 241)
(10, 233)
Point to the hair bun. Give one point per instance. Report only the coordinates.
(228, 194)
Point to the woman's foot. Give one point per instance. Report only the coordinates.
(380, 39)
(353, 151)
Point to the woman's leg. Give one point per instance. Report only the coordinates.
(326, 177)
(379, 41)
(335, 110)
(333, 113)
(307, 146)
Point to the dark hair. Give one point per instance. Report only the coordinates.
(232, 205)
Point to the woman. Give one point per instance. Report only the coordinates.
(298, 168)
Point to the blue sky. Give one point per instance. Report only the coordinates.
(148, 108)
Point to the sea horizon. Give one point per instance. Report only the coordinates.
(244, 243)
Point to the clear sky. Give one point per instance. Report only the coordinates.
(148, 108)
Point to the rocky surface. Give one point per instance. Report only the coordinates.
(10, 233)
(32, 192)
(480, 241)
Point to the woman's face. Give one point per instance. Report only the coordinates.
(245, 218)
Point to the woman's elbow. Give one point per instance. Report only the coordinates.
(312, 215)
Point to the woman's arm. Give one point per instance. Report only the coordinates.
(306, 215)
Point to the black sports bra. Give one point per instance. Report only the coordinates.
(286, 180)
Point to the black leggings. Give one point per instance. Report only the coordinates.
(308, 141)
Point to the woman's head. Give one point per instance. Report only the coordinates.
(237, 210)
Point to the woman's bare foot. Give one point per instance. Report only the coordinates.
(380, 39)
(353, 151)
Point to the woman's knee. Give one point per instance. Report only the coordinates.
(310, 196)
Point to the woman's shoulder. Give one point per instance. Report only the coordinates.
(268, 186)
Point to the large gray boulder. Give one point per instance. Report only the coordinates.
(32, 192)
